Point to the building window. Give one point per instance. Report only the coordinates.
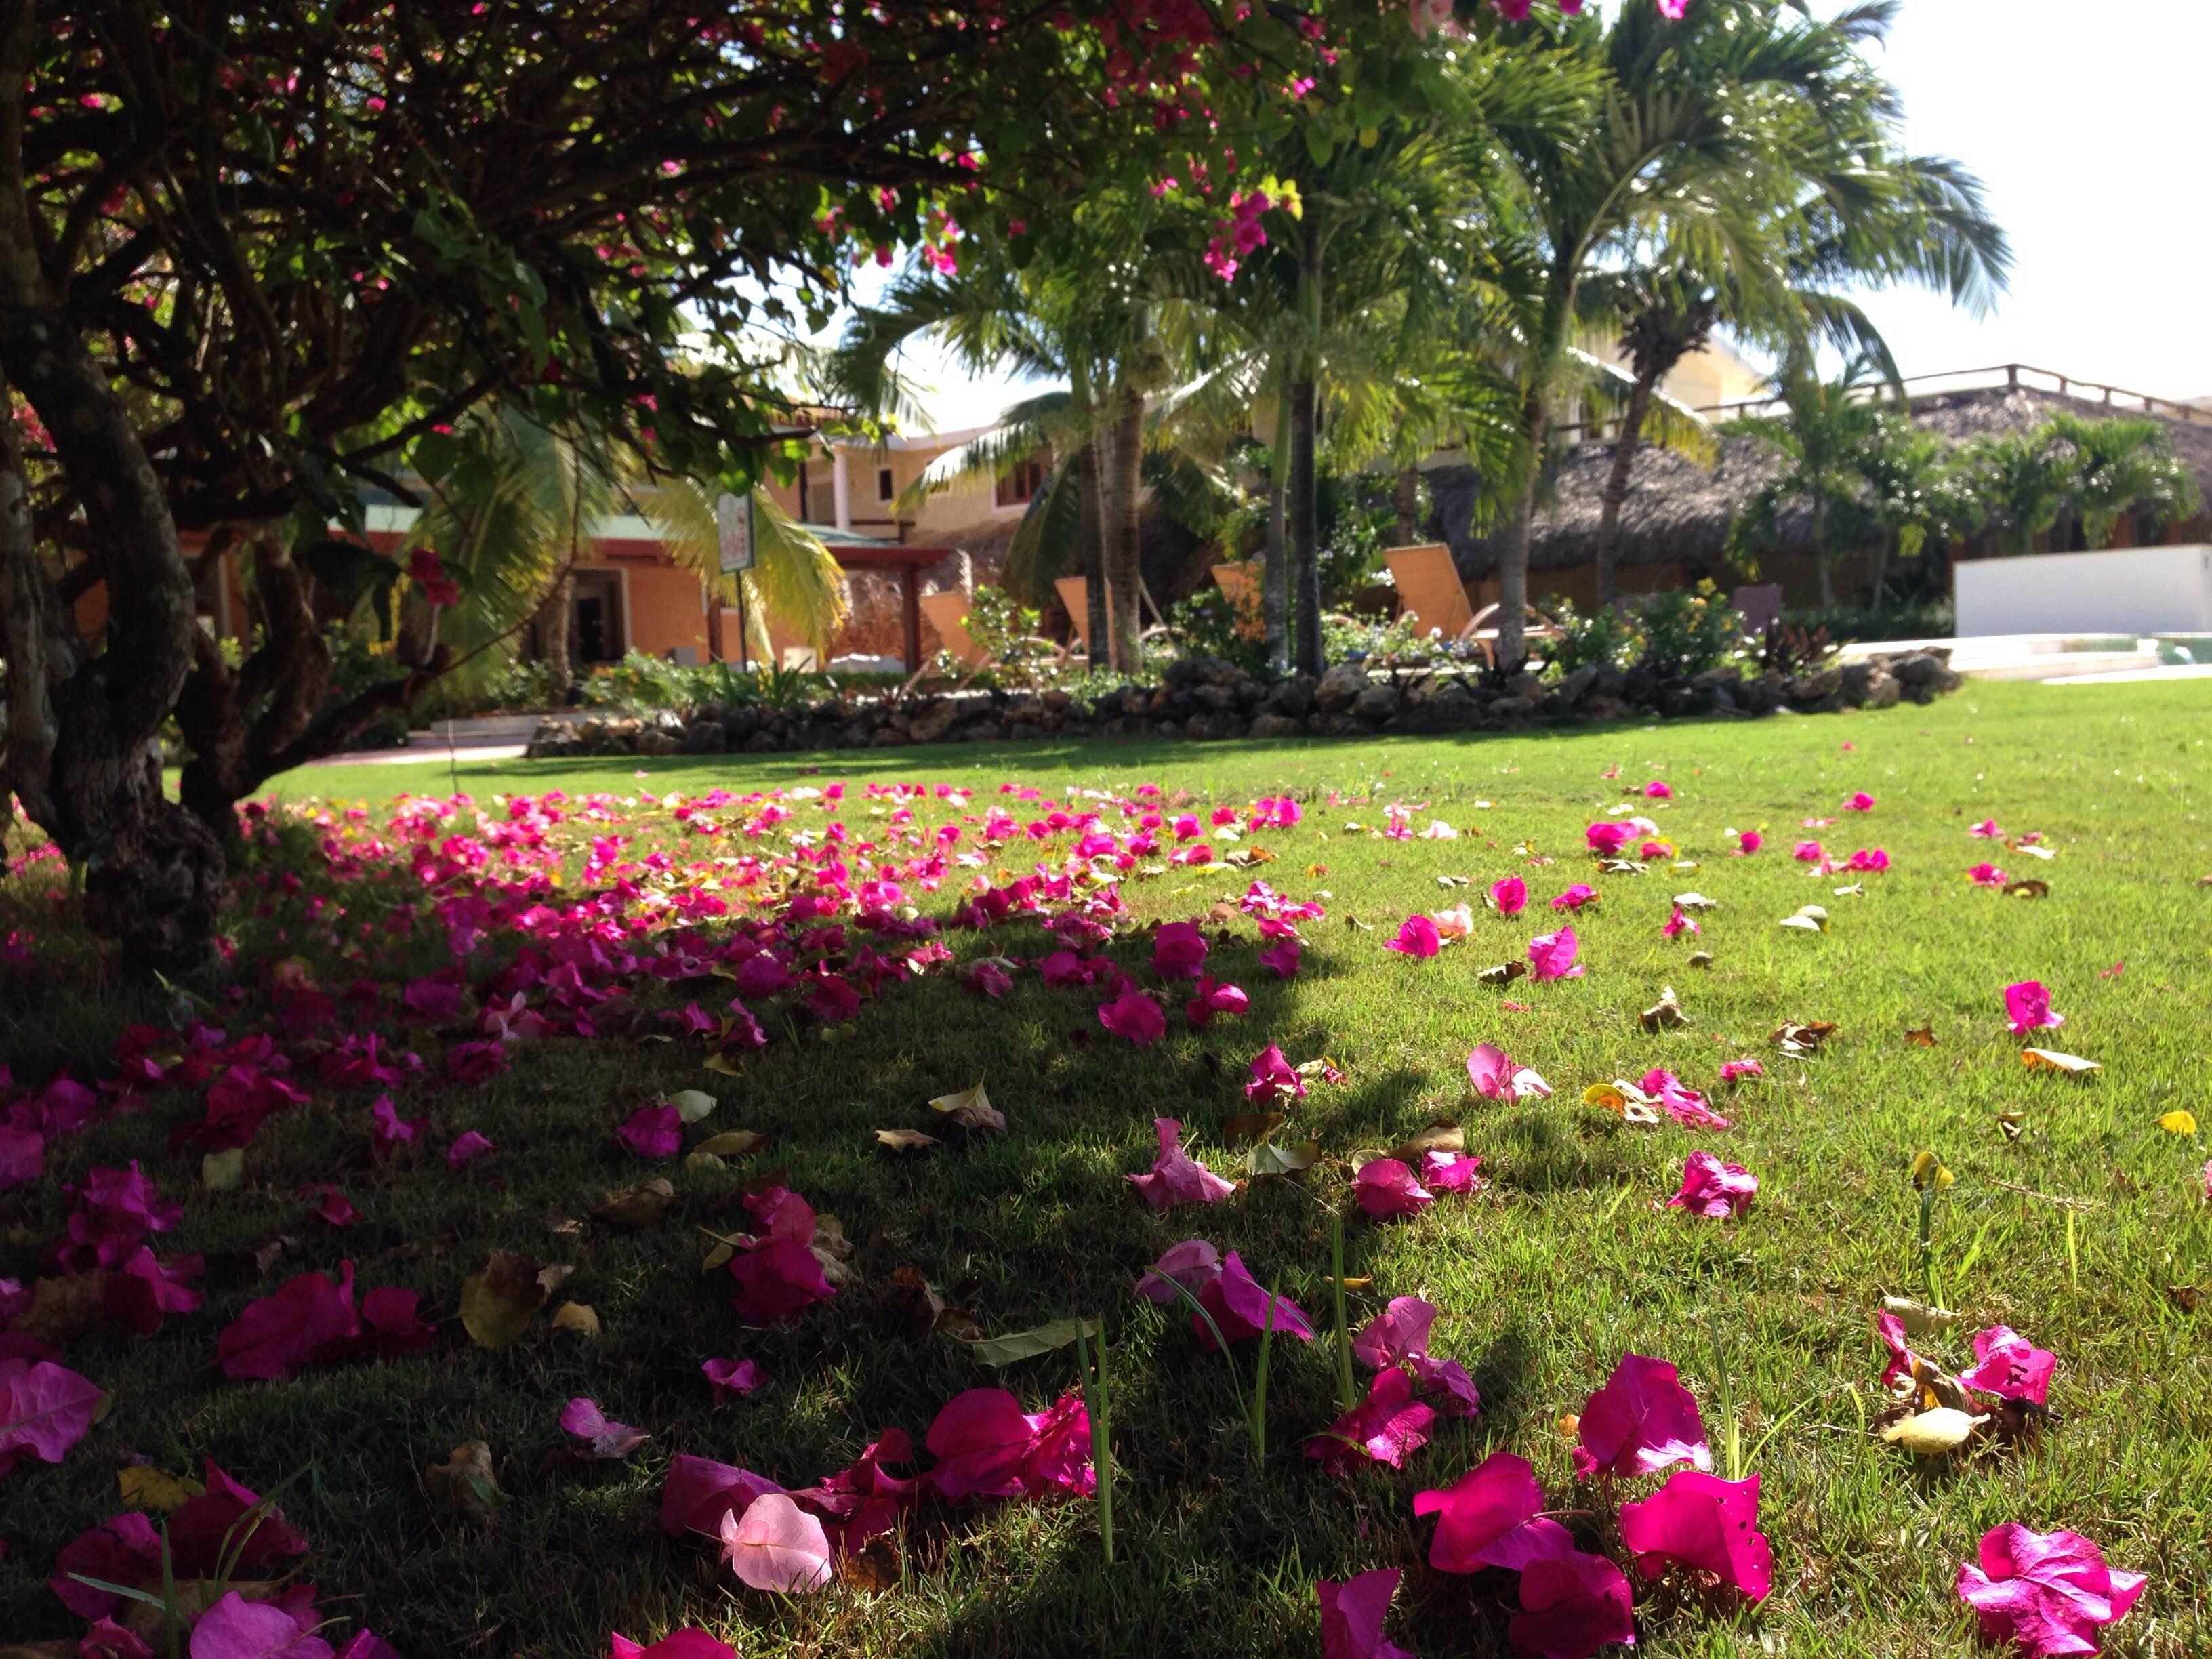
(1020, 482)
(884, 487)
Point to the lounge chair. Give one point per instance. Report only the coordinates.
(1240, 584)
(948, 614)
(1430, 595)
(1761, 607)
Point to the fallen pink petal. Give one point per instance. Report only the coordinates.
(1641, 1421)
(1176, 1176)
(1571, 1605)
(1353, 1613)
(2047, 1594)
(1552, 955)
(1490, 1518)
(1699, 1520)
(1714, 1189)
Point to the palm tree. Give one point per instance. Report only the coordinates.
(2122, 466)
(1737, 97)
(1820, 442)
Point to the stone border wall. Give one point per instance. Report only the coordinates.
(1206, 697)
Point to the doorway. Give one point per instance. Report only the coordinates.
(596, 634)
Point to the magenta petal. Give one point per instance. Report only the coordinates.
(1387, 1427)
(698, 1493)
(200, 1532)
(1643, 1420)
(1571, 1605)
(44, 1409)
(1240, 1307)
(1701, 1521)
(2011, 1367)
(730, 1376)
(602, 1439)
(124, 1550)
(653, 1131)
(234, 1628)
(1488, 1518)
(1399, 1331)
(1193, 1264)
(1714, 1189)
(2050, 1593)
(980, 1439)
(777, 1280)
(776, 1546)
(1385, 1187)
(677, 1645)
(1176, 1177)
(1552, 955)
(1352, 1615)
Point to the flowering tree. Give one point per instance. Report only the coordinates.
(254, 262)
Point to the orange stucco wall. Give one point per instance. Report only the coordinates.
(665, 612)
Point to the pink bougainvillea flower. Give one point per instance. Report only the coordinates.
(1417, 937)
(776, 1546)
(1387, 1427)
(108, 1640)
(2027, 1005)
(307, 1319)
(1176, 1176)
(467, 1145)
(1240, 1307)
(1714, 1189)
(1575, 897)
(1641, 1421)
(1733, 1070)
(731, 1378)
(234, 1628)
(1400, 1336)
(1700, 1520)
(44, 1409)
(1508, 897)
(604, 1440)
(1451, 1172)
(1903, 1362)
(1282, 960)
(698, 1493)
(778, 1274)
(205, 1530)
(1135, 1016)
(22, 1156)
(686, 1643)
(1870, 859)
(1987, 875)
(333, 1207)
(1677, 924)
(1858, 801)
(2048, 1593)
(1680, 1101)
(1496, 1076)
(653, 1132)
(1808, 852)
(1193, 1264)
(986, 1447)
(2010, 1366)
(1987, 829)
(1552, 955)
(1179, 951)
(1656, 790)
(1214, 997)
(1571, 1605)
(1386, 1187)
(1748, 844)
(1351, 1613)
(389, 1131)
(1606, 838)
(125, 1550)
(1273, 1078)
(143, 1292)
(1489, 1517)
(1455, 923)
(115, 1210)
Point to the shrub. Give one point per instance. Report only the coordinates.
(1688, 630)
(1605, 638)
(1209, 625)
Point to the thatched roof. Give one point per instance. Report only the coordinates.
(1677, 510)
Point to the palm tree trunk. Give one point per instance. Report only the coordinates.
(1122, 545)
(553, 627)
(1881, 571)
(1513, 557)
(1275, 579)
(1305, 525)
(1091, 542)
(1616, 484)
(1408, 505)
(1820, 555)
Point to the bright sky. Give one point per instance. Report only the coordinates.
(2086, 123)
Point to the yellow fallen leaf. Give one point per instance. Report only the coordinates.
(576, 1316)
(732, 1143)
(2052, 1060)
(220, 1171)
(2178, 1123)
(906, 1141)
(719, 1061)
(692, 1104)
(1930, 1434)
(156, 1489)
(464, 1484)
(498, 1303)
(1605, 1094)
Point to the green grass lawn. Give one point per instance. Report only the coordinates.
(2080, 1231)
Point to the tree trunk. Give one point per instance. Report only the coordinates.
(1881, 572)
(1408, 505)
(1513, 556)
(1305, 526)
(1820, 556)
(1275, 579)
(83, 747)
(1091, 542)
(553, 627)
(1616, 485)
(1123, 541)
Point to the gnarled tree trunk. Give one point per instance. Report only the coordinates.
(1091, 542)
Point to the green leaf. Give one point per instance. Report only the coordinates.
(1319, 144)
(1272, 1160)
(1028, 1345)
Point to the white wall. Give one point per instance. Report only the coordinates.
(2129, 590)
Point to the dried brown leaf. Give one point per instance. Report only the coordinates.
(638, 1208)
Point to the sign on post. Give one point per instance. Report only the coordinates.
(733, 518)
